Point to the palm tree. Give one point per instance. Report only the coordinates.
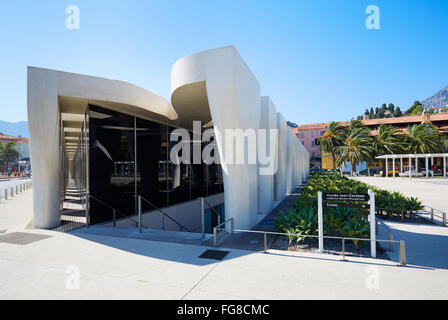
(389, 140)
(8, 152)
(422, 138)
(332, 138)
(354, 124)
(357, 147)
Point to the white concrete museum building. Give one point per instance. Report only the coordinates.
(106, 145)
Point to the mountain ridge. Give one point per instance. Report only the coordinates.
(437, 100)
(14, 128)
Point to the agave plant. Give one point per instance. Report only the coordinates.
(298, 223)
(394, 205)
(356, 228)
(413, 204)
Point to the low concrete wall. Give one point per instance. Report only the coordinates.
(10, 188)
(187, 213)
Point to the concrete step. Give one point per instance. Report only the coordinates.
(146, 234)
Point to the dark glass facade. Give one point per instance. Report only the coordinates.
(129, 156)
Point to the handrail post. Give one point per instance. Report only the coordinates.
(402, 253)
(265, 243)
(215, 237)
(87, 209)
(391, 239)
(139, 213)
(343, 248)
(372, 224)
(432, 214)
(444, 219)
(114, 217)
(202, 218)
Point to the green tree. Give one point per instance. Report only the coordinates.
(8, 152)
(357, 146)
(354, 124)
(388, 140)
(332, 138)
(417, 110)
(412, 110)
(391, 108)
(397, 112)
(422, 138)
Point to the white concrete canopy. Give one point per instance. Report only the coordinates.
(215, 86)
(52, 94)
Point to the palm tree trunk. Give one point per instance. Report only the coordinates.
(353, 168)
(334, 160)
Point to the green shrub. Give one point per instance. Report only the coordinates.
(301, 219)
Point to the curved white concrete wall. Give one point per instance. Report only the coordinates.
(233, 95)
(268, 121)
(44, 89)
(280, 177)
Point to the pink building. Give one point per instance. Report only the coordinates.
(308, 134)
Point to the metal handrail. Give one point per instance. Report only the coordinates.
(431, 212)
(210, 207)
(402, 245)
(114, 210)
(164, 213)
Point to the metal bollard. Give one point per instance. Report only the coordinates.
(6, 194)
(343, 248)
(215, 237)
(139, 202)
(432, 214)
(114, 217)
(444, 219)
(402, 216)
(391, 244)
(402, 253)
(265, 243)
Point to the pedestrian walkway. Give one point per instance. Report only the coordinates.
(17, 213)
(426, 245)
(432, 192)
(255, 241)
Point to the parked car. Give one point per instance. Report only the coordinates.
(413, 174)
(391, 172)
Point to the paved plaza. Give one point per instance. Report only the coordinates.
(123, 268)
(432, 192)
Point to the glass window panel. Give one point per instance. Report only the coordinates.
(112, 163)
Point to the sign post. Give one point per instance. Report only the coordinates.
(372, 224)
(350, 200)
(320, 221)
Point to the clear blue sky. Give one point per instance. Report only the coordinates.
(315, 59)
